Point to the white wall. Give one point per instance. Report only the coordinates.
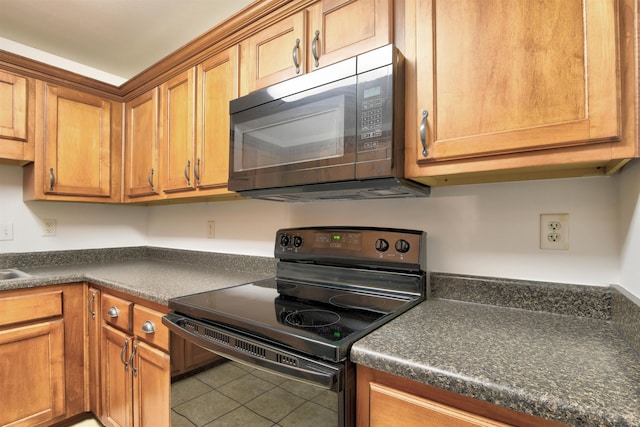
(79, 225)
(488, 229)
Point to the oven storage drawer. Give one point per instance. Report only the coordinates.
(236, 346)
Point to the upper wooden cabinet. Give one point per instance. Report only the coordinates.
(141, 147)
(217, 85)
(318, 36)
(78, 147)
(507, 86)
(177, 136)
(17, 117)
(193, 131)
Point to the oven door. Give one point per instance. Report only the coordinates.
(288, 387)
(305, 138)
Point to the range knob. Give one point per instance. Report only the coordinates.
(382, 245)
(284, 240)
(402, 246)
(297, 241)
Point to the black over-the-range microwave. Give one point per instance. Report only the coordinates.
(334, 133)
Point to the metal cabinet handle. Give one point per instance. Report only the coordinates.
(148, 327)
(150, 179)
(186, 173)
(423, 133)
(52, 179)
(90, 306)
(133, 354)
(295, 54)
(113, 312)
(314, 49)
(124, 350)
(196, 171)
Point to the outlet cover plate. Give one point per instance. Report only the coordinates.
(554, 231)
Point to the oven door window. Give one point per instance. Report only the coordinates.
(310, 129)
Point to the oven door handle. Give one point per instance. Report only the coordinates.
(257, 353)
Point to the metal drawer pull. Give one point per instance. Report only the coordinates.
(296, 59)
(148, 327)
(196, 171)
(90, 306)
(186, 172)
(113, 312)
(124, 350)
(133, 354)
(52, 179)
(423, 133)
(314, 49)
(150, 179)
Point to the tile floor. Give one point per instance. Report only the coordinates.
(232, 394)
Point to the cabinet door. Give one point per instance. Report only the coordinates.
(32, 355)
(333, 35)
(503, 77)
(77, 143)
(16, 117)
(141, 146)
(177, 142)
(151, 386)
(117, 399)
(270, 56)
(217, 85)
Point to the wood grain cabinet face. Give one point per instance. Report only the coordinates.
(217, 85)
(141, 147)
(499, 77)
(77, 143)
(327, 32)
(136, 377)
(17, 99)
(177, 140)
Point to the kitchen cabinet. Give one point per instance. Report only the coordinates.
(177, 136)
(315, 37)
(135, 365)
(382, 396)
(78, 147)
(17, 118)
(497, 89)
(194, 128)
(187, 357)
(41, 355)
(141, 147)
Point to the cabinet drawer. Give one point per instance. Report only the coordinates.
(23, 308)
(117, 311)
(147, 325)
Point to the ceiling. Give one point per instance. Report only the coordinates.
(118, 37)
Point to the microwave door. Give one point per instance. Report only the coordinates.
(301, 139)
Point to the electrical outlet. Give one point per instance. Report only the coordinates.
(211, 229)
(554, 231)
(48, 227)
(6, 231)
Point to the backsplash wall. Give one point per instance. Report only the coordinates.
(487, 229)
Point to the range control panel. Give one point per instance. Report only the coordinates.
(352, 245)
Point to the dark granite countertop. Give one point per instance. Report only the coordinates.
(554, 351)
(572, 369)
(153, 274)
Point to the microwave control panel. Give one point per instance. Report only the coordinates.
(375, 110)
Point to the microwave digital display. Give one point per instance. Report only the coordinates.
(372, 91)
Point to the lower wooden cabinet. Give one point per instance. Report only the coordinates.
(386, 400)
(187, 357)
(136, 377)
(41, 355)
